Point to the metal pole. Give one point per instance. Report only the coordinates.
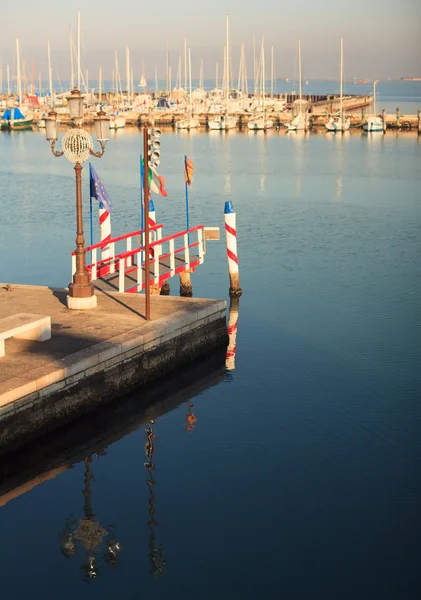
(81, 287)
(187, 195)
(146, 220)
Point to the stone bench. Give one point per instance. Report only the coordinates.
(26, 327)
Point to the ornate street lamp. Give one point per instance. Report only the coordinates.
(77, 146)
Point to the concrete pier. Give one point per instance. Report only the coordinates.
(94, 357)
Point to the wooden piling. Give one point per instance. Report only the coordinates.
(384, 119)
(419, 122)
(186, 289)
(165, 289)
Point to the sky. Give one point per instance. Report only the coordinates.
(381, 38)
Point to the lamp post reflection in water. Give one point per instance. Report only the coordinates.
(190, 417)
(156, 553)
(89, 532)
(232, 337)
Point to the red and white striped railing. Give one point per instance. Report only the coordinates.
(172, 255)
(169, 256)
(103, 266)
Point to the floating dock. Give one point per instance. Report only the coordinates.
(95, 356)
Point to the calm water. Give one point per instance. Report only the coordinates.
(300, 477)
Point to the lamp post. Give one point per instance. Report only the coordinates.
(77, 146)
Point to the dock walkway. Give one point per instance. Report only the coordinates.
(94, 356)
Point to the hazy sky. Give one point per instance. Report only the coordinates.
(381, 38)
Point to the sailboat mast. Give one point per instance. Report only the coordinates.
(299, 72)
(78, 50)
(185, 64)
(342, 75)
(18, 73)
(100, 84)
(166, 71)
(227, 78)
(8, 79)
(128, 73)
(72, 68)
(190, 98)
(156, 80)
(50, 73)
(216, 75)
(1, 77)
(272, 72)
(39, 84)
(263, 78)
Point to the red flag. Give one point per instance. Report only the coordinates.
(188, 170)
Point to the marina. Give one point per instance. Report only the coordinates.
(209, 309)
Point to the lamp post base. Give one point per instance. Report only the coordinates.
(81, 303)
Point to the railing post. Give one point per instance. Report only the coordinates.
(112, 257)
(172, 258)
(129, 260)
(200, 240)
(121, 273)
(186, 251)
(156, 267)
(139, 272)
(94, 266)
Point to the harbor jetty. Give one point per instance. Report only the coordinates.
(93, 357)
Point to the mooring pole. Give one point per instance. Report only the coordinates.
(231, 237)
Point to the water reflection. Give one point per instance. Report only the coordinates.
(156, 552)
(232, 336)
(190, 417)
(89, 532)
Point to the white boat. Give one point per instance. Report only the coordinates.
(373, 122)
(299, 122)
(261, 123)
(222, 123)
(339, 122)
(117, 121)
(189, 123)
(14, 118)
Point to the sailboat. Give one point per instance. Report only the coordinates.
(299, 122)
(373, 122)
(13, 118)
(190, 122)
(117, 121)
(261, 123)
(339, 122)
(225, 121)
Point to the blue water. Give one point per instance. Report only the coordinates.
(300, 477)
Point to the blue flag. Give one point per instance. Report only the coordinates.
(98, 190)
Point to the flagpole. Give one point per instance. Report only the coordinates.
(91, 226)
(187, 193)
(146, 220)
(142, 216)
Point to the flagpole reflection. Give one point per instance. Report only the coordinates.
(190, 417)
(156, 553)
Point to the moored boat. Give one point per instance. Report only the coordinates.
(13, 118)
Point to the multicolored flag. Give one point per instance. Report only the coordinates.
(155, 181)
(98, 190)
(188, 170)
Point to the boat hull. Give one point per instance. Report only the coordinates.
(374, 124)
(16, 124)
